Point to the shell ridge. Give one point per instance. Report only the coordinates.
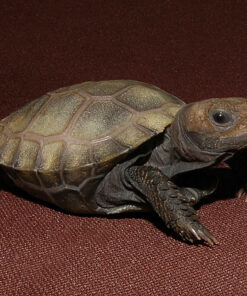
(41, 186)
(77, 114)
(44, 189)
(40, 169)
(122, 91)
(144, 129)
(125, 106)
(50, 190)
(4, 146)
(49, 99)
(23, 133)
(17, 153)
(62, 162)
(39, 138)
(110, 137)
(126, 147)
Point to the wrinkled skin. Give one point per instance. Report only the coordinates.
(202, 135)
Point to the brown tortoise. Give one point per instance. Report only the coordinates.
(116, 146)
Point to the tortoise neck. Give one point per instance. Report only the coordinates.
(160, 153)
(172, 157)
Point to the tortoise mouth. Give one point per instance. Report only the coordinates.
(222, 165)
(224, 162)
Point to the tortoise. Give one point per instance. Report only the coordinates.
(118, 146)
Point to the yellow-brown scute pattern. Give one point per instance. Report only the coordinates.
(143, 98)
(71, 137)
(19, 120)
(106, 88)
(85, 124)
(8, 151)
(99, 120)
(27, 155)
(54, 118)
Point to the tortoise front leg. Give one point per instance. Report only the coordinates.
(172, 204)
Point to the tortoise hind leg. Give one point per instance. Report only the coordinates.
(172, 204)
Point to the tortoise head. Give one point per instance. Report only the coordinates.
(206, 130)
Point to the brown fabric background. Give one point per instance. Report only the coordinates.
(193, 49)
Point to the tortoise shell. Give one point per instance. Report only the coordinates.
(57, 145)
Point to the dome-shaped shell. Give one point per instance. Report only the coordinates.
(74, 135)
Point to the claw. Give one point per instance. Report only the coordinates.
(202, 235)
(205, 238)
(194, 233)
(241, 193)
(208, 237)
(216, 242)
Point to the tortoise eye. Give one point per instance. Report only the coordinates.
(221, 117)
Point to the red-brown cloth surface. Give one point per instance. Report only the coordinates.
(193, 49)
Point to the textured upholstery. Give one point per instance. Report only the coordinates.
(193, 49)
